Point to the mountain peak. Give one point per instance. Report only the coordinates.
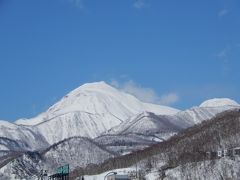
(100, 86)
(100, 97)
(95, 84)
(218, 102)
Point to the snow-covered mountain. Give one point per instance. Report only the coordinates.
(116, 121)
(95, 108)
(89, 111)
(207, 110)
(155, 128)
(219, 102)
(147, 122)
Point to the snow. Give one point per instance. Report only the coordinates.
(196, 115)
(145, 123)
(224, 168)
(72, 124)
(3, 148)
(29, 122)
(123, 171)
(21, 168)
(20, 137)
(76, 152)
(153, 175)
(218, 102)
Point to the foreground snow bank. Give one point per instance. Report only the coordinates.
(118, 171)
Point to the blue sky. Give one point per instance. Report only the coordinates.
(172, 52)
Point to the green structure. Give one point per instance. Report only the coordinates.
(62, 173)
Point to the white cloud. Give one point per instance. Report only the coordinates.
(146, 94)
(224, 57)
(168, 99)
(139, 4)
(222, 53)
(223, 12)
(78, 3)
(226, 52)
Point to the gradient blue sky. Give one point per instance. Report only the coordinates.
(178, 52)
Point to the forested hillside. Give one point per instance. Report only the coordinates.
(189, 146)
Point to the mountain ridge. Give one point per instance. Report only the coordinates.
(94, 108)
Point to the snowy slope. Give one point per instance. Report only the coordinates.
(125, 144)
(146, 123)
(26, 166)
(7, 144)
(150, 123)
(17, 137)
(72, 124)
(112, 140)
(76, 151)
(224, 168)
